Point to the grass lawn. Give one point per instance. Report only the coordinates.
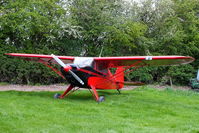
(140, 110)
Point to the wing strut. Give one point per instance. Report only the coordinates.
(127, 68)
(48, 64)
(118, 74)
(52, 68)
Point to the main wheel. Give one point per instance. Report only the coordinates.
(101, 99)
(57, 95)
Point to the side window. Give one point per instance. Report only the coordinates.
(99, 66)
(104, 70)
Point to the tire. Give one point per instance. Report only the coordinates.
(57, 95)
(101, 99)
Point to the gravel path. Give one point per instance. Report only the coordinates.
(55, 87)
(60, 87)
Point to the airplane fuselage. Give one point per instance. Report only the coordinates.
(90, 76)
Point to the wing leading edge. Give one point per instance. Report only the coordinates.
(42, 58)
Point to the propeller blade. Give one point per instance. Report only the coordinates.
(58, 61)
(76, 77)
(65, 66)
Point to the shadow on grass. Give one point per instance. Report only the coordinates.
(79, 95)
(111, 92)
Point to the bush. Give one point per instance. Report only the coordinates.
(181, 74)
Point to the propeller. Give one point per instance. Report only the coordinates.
(67, 68)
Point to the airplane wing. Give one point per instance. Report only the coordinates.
(112, 62)
(42, 58)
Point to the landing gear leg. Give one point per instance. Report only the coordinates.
(56, 96)
(119, 91)
(95, 94)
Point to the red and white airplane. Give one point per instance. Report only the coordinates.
(94, 72)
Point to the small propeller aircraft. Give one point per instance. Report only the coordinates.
(94, 72)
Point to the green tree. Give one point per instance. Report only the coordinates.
(105, 25)
(30, 26)
(84, 27)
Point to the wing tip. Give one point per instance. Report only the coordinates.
(190, 59)
(8, 53)
(12, 54)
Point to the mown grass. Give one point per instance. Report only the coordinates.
(144, 110)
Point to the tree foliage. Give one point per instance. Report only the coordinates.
(85, 27)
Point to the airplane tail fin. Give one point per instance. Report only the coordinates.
(119, 76)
